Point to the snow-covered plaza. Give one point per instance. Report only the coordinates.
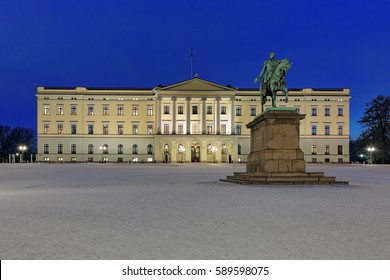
(173, 211)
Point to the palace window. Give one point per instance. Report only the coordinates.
(194, 109)
(46, 148)
(253, 111)
(313, 129)
(149, 111)
(149, 149)
(209, 128)
(209, 149)
(73, 128)
(105, 128)
(120, 128)
(339, 149)
(166, 128)
(209, 110)
(239, 149)
(340, 129)
(46, 109)
(60, 109)
(195, 128)
(135, 149)
(73, 110)
(120, 110)
(135, 110)
(180, 128)
(223, 109)
(135, 128)
(91, 110)
(223, 128)
(180, 109)
(327, 111)
(60, 128)
(90, 149)
(105, 110)
(313, 149)
(60, 149)
(166, 109)
(73, 148)
(327, 129)
(120, 149)
(90, 128)
(340, 111)
(314, 110)
(149, 129)
(238, 129)
(238, 110)
(327, 149)
(46, 128)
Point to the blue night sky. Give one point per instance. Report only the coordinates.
(143, 43)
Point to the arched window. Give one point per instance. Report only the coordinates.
(239, 149)
(90, 149)
(181, 149)
(223, 149)
(135, 149)
(209, 150)
(105, 149)
(150, 149)
(166, 149)
(120, 149)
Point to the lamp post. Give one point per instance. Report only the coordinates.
(103, 149)
(22, 148)
(214, 149)
(371, 150)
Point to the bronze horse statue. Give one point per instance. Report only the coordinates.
(273, 77)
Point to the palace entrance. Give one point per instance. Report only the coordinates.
(195, 152)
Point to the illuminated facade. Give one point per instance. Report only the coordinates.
(191, 121)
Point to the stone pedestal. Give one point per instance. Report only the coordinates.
(275, 156)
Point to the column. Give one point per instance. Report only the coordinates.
(204, 115)
(188, 115)
(158, 115)
(218, 115)
(174, 115)
(233, 115)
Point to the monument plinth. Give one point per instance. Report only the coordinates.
(275, 156)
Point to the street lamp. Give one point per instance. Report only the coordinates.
(214, 149)
(371, 150)
(181, 151)
(104, 148)
(22, 148)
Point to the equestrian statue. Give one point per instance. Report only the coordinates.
(273, 76)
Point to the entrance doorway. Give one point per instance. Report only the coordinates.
(195, 152)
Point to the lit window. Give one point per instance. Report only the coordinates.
(46, 110)
(327, 149)
(209, 128)
(313, 149)
(46, 128)
(105, 110)
(149, 111)
(120, 110)
(135, 110)
(135, 129)
(149, 129)
(91, 111)
(105, 129)
(60, 109)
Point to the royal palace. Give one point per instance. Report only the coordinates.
(191, 121)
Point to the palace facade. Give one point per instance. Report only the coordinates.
(191, 121)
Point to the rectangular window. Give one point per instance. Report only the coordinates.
(209, 128)
(134, 110)
(73, 148)
(238, 110)
(327, 129)
(339, 149)
(120, 110)
(45, 148)
(340, 111)
(60, 128)
(313, 129)
(340, 129)
(90, 128)
(60, 149)
(180, 129)
(105, 128)
(209, 109)
(105, 110)
(313, 149)
(60, 109)
(91, 110)
(46, 128)
(149, 129)
(166, 109)
(194, 109)
(73, 110)
(46, 109)
(253, 111)
(180, 109)
(223, 109)
(195, 128)
(298, 109)
(327, 111)
(134, 128)
(314, 110)
(166, 128)
(149, 111)
(73, 128)
(238, 129)
(120, 128)
(327, 149)
(223, 128)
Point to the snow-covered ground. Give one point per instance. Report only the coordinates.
(128, 211)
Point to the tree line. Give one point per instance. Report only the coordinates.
(375, 133)
(12, 138)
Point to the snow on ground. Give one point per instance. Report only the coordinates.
(157, 211)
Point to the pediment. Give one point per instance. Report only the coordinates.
(196, 84)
